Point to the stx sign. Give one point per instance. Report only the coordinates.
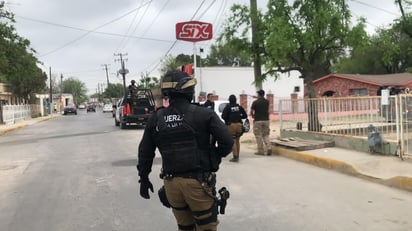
(194, 31)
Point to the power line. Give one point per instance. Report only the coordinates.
(171, 47)
(90, 31)
(375, 7)
(124, 41)
(218, 18)
(95, 32)
(156, 17)
(207, 9)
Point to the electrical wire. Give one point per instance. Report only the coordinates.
(375, 7)
(127, 31)
(150, 25)
(156, 17)
(218, 20)
(207, 9)
(90, 31)
(175, 42)
(136, 26)
(95, 32)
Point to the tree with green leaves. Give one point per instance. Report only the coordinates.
(77, 88)
(386, 52)
(228, 54)
(114, 91)
(305, 36)
(147, 82)
(406, 19)
(18, 64)
(171, 63)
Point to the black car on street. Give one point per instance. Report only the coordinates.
(70, 109)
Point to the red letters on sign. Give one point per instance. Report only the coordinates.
(194, 31)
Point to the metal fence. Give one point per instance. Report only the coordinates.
(352, 116)
(403, 106)
(346, 116)
(11, 113)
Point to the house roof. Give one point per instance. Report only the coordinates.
(399, 79)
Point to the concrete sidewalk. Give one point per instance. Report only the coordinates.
(387, 170)
(4, 128)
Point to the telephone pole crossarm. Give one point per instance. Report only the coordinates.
(123, 71)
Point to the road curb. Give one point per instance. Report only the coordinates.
(2, 132)
(26, 123)
(400, 182)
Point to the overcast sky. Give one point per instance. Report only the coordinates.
(63, 32)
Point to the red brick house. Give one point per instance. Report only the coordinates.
(343, 85)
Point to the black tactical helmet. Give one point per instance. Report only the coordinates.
(178, 83)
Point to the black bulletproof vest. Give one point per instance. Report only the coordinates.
(234, 113)
(177, 141)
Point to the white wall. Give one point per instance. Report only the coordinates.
(224, 81)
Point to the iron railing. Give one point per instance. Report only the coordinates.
(11, 113)
(345, 116)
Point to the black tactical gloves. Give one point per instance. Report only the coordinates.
(145, 185)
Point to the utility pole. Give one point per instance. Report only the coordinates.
(256, 43)
(98, 92)
(50, 94)
(61, 91)
(123, 71)
(107, 73)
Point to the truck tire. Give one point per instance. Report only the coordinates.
(122, 125)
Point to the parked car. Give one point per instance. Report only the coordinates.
(219, 106)
(70, 109)
(82, 106)
(91, 107)
(108, 107)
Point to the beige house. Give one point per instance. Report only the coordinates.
(6, 97)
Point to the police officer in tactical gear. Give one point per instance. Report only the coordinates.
(182, 133)
(132, 92)
(233, 114)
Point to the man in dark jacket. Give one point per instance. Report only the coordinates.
(182, 132)
(233, 114)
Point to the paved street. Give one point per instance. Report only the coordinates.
(78, 172)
